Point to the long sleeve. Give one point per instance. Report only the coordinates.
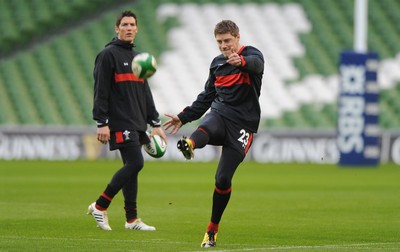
(152, 114)
(103, 78)
(253, 63)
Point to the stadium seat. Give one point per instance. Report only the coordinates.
(23, 103)
(301, 41)
(7, 117)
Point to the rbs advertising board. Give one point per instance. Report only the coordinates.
(358, 109)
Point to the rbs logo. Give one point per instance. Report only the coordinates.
(351, 108)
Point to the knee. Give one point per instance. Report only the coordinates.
(223, 182)
(135, 167)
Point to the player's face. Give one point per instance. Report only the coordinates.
(227, 43)
(127, 29)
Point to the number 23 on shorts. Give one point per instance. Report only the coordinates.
(246, 138)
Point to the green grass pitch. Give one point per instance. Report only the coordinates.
(279, 207)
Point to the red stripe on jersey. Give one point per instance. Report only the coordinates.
(241, 50)
(233, 79)
(126, 77)
(118, 137)
(249, 143)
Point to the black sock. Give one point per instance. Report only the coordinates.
(130, 211)
(220, 201)
(199, 138)
(106, 197)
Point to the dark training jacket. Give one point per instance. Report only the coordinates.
(121, 100)
(233, 92)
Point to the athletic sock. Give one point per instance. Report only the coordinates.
(199, 138)
(220, 201)
(212, 227)
(104, 201)
(130, 213)
(131, 220)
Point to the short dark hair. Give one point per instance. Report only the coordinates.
(126, 13)
(226, 26)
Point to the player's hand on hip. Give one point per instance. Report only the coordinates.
(174, 123)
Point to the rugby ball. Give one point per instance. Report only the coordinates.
(144, 65)
(157, 146)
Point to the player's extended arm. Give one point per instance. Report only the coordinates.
(174, 123)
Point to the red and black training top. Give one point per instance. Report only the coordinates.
(233, 92)
(121, 100)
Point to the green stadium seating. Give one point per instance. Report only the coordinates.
(7, 115)
(59, 86)
(23, 103)
(35, 18)
(51, 83)
(39, 91)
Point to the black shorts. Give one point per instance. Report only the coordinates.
(125, 138)
(226, 133)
